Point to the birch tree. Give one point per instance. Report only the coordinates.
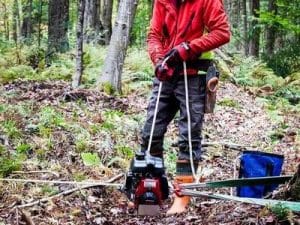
(79, 53)
(113, 64)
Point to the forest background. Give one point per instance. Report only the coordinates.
(47, 48)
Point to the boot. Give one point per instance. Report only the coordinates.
(181, 203)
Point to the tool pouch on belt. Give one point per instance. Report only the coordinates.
(212, 80)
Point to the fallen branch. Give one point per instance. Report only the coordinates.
(67, 192)
(36, 171)
(233, 146)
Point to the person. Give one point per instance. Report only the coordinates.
(181, 31)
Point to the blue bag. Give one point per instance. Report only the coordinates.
(258, 164)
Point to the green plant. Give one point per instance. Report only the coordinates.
(57, 72)
(90, 159)
(79, 176)
(10, 129)
(23, 148)
(17, 72)
(9, 165)
(81, 145)
(108, 125)
(9, 162)
(282, 212)
(2, 108)
(110, 114)
(277, 135)
(95, 128)
(49, 117)
(141, 22)
(50, 190)
(40, 153)
(125, 151)
(107, 88)
(229, 103)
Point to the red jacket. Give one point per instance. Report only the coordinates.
(170, 27)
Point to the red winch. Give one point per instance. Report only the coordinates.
(146, 184)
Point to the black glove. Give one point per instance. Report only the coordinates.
(163, 72)
(179, 53)
(173, 57)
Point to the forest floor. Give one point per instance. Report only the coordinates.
(55, 125)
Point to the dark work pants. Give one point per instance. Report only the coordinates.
(171, 100)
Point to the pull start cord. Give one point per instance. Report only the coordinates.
(155, 111)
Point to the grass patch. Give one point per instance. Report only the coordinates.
(10, 129)
(9, 162)
(49, 118)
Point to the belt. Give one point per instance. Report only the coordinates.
(194, 66)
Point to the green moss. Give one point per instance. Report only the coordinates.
(229, 103)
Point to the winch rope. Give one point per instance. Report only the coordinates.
(189, 122)
(154, 118)
(155, 110)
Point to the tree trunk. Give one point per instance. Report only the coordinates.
(235, 14)
(227, 6)
(40, 22)
(254, 41)
(6, 20)
(16, 21)
(58, 19)
(92, 23)
(27, 23)
(236, 18)
(271, 30)
(79, 54)
(245, 28)
(114, 60)
(107, 7)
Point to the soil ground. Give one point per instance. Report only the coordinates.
(244, 121)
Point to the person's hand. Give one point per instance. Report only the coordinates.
(180, 53)
(173, 57)
(163, 72)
